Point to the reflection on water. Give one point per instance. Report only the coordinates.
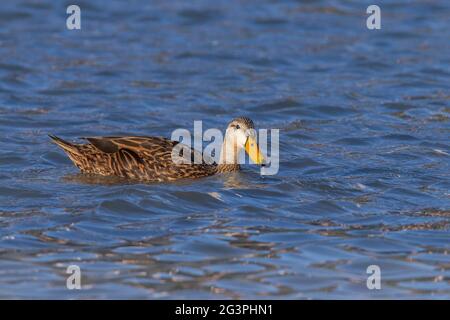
(81, 178)
(364, 168)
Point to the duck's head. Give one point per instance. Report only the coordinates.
(241, 135)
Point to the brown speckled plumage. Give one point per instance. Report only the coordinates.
(142, 158)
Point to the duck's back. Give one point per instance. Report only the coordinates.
(143, 158)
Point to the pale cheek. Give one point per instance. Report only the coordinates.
(242, 138)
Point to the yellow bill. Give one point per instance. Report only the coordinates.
(252, 149)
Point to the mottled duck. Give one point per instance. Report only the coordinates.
(150, 158)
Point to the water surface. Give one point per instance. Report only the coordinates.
(364, 143)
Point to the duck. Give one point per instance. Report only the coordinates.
(150, 158)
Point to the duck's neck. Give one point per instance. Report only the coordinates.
(222, 168)
(228, 161)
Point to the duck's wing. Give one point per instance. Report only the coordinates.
(151, 156)
(135, 144)
(157, 148)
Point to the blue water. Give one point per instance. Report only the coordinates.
(364, 147)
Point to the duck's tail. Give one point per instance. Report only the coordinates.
(66, 146)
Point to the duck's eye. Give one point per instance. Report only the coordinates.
(237, 126)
